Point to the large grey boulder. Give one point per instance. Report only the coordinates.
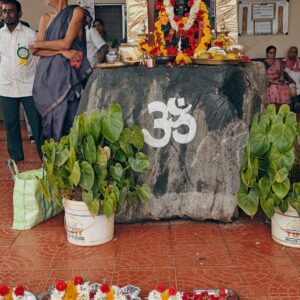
(195, 172)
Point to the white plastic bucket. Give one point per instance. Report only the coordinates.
(83, 229)
(286, 228)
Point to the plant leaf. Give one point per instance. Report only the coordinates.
(101, 157)
(89, 150)
(268, 207)
(264, 186)
(116, 171)
(259, 144)
(87, 176)
(95, 125)
(74, 134)
(143, 192)
(75, 174)
(112, 123)
(281, 189)
(281, 175)
(108, 205)
(61, 157)
(140, 164)
(137, 137)
(283, 133)
(248, 201)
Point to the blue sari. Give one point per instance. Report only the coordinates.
(57, 86)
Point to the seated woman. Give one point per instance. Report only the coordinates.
(292, 68)
(278, 92)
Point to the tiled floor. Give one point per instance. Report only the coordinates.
(187, 254)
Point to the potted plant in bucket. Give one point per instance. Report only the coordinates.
(95, 171)
(268, 173)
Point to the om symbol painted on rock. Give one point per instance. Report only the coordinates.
(166, 124)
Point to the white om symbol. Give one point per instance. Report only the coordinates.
(167, 124)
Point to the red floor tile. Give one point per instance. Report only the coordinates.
(143, 256)
(33, 281)
(144, 234)
(264, 281)
(145, 279)
(8, 236)
(207, 253)
(37, 236)
(41, 257)
(74, 257)
(6, 220)
(258, 253)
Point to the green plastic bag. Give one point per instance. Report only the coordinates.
(30, 205)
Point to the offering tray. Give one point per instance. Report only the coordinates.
(117, 64)
(164, 59)
(130, 291)
(215, 62)
(229, 294)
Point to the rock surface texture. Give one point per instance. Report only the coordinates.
(197, 146)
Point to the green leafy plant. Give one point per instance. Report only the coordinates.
(269, 163)
(99, 162)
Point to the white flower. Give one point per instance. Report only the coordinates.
(154, 295)
(191, 19)
(56, 295)
(117, 293)
(83, 291)
(99, 295)
(176, 297)
(17, 297)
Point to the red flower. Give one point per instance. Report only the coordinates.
(191, 3)
(180, 33)
(177, 18)
(203, 295)
(206, 44)
(105, 288)
(190, 32)
(180, 25)
(246, 58)
(187, 15)
(160, 288)
(172, 291)
(159, 6)
(222, 293)
(92, 295)
(4, 289)
(173, 2)
(78, 280)
(19, 290)
(188, 52)
(172, 51)
(60, 285)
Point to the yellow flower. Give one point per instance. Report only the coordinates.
(184, 20)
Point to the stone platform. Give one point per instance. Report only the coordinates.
(195, 120)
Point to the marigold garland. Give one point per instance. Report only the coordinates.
(159, 47)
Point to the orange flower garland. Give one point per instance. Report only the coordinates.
(160, 48)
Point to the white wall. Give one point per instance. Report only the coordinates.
(256, 45)
(33, 9)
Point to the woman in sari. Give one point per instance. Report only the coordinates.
(278, 92)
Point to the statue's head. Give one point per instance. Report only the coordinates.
(181, 7)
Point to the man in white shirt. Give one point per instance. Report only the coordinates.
(96, 46)
(17, 71)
